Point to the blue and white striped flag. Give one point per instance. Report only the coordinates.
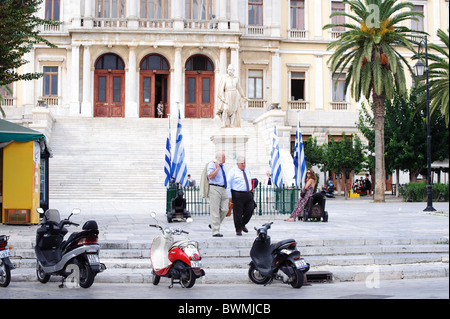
(275, 162)
(167, 160)
(179, 169)
(299, 158)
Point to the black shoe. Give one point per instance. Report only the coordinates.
(244, 229)
(238, 233)
(209, 226)
(218, 235)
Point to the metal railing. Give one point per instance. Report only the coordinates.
(269, 200)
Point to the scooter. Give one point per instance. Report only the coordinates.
(178, 260)
(279, 261)
(328, 189)
(75, 259)
(5, 264)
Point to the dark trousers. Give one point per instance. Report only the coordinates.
(243, 207)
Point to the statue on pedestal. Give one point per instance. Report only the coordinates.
(229, 96)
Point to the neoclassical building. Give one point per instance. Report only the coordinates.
(121, 58)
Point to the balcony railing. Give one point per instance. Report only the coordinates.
(298, 34)
(201, 24)
(110, 23)
(339, 106)
(256, 104)
(298, 105)
(155, 24)
(8, 101)
(255, 30)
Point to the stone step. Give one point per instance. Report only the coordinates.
(371, 274)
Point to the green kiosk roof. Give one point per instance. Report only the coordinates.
(12, 132)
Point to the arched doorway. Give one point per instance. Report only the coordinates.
(154, 85)
(109, 86)
(199, 87)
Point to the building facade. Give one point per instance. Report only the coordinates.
(121, 58)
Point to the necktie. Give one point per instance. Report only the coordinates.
(224, 176)
(246, 180)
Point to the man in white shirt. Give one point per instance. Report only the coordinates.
(218, 196)
(240, 193)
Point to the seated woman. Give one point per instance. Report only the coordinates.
(308, 189)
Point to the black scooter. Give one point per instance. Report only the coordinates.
(75, 259)
(5, 264)
(279, 261)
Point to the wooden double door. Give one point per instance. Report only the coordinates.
(109, 100)
(199, 94)
(154, 89)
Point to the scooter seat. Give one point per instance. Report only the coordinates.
(281, 243)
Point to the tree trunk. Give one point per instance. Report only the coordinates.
(379, 112)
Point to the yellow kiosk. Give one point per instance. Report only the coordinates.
(23, 173)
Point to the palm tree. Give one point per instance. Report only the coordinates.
(368, 53)
(439, 78)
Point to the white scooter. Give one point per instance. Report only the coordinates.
(177, 260)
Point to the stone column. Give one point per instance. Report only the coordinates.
(178, 87)
(75, 80)
(86, 106)
(132, 88)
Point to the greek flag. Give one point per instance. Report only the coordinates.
(179, 169)
(168, 160)
(299, 158)
(275, 162)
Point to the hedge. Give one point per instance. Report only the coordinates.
(417, 192)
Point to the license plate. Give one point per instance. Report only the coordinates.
(4, 253)
(301, 263)
(93, 258)
(196, 264)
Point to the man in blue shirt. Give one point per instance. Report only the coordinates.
(218, 196)
(240, 193)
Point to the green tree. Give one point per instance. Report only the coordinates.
(438, 72)
(345, 156)
(19, 32)
(369, 49)
(405, 135)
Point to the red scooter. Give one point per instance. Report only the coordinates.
(5, 264)
(177, 260)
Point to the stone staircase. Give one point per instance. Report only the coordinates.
(347, 260)
(105, 159)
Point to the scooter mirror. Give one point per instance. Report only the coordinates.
(153, 214)
(76, 211)
(189, 220)
(40, 211)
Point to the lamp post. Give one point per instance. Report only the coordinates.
(419, 70)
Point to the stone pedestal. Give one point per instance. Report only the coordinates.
(232, 141)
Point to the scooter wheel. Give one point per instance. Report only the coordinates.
(5, 274)
(41, 275)
(298, 278)
(156, 279)
(189, 280)
(256, 277)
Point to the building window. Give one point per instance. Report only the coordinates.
(255, 12)
(200, 9)
(255, 84)
(109, 62)
(338, 87)
(154, 62)
(110, 9)
(52, 9)
(298, 86)
(199, 63)
(50, 81)
(155, 9)
(338, 6)
(298, 15)
(419, 24)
